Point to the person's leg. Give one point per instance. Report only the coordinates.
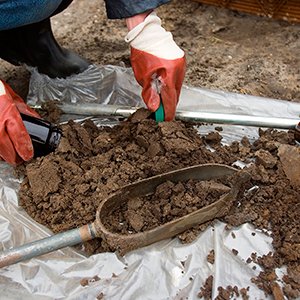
(19, 13)
(63, 5)
(35, 45)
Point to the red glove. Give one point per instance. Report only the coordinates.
(158, 64)
(15, 143)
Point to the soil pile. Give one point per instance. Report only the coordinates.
(64, 189)
(170, 201)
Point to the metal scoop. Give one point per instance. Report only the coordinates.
(125, 243)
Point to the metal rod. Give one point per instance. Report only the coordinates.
(233, 119)
(93, 109)
(46, 245)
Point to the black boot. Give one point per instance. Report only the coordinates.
(35, 45)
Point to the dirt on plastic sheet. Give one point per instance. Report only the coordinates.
(206, 289)
(211, 257)
(230, 292)
(63, 190)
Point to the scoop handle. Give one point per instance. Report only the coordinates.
(58, 241)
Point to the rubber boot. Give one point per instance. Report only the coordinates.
(35, 45)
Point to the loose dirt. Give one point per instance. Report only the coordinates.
(63, 190)
(170, 201)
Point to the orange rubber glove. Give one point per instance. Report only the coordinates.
(158, 64)
(15, 143)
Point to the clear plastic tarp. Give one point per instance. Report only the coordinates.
(165, 270)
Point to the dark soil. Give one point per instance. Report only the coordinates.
(170, 201)
(64, 189)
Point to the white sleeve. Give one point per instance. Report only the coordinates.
(151, 37)
(2, 89)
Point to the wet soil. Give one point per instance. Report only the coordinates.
(63, 190)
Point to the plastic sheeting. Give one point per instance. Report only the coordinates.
(165, 270)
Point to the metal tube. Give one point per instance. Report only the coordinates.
(46, 245)
(93, 109)
(245, 120)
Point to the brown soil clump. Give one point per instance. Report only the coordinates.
(230, 292)
(64, 189)
(211, 256)
(170, 201)
(206, 290)
(87, 281)
(50, 111)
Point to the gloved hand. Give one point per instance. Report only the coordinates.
(158, 64)
(15, 143)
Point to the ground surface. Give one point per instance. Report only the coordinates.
(225, 50)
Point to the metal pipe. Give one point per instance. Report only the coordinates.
(233, 119)
(93, 109)
(49, 244)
